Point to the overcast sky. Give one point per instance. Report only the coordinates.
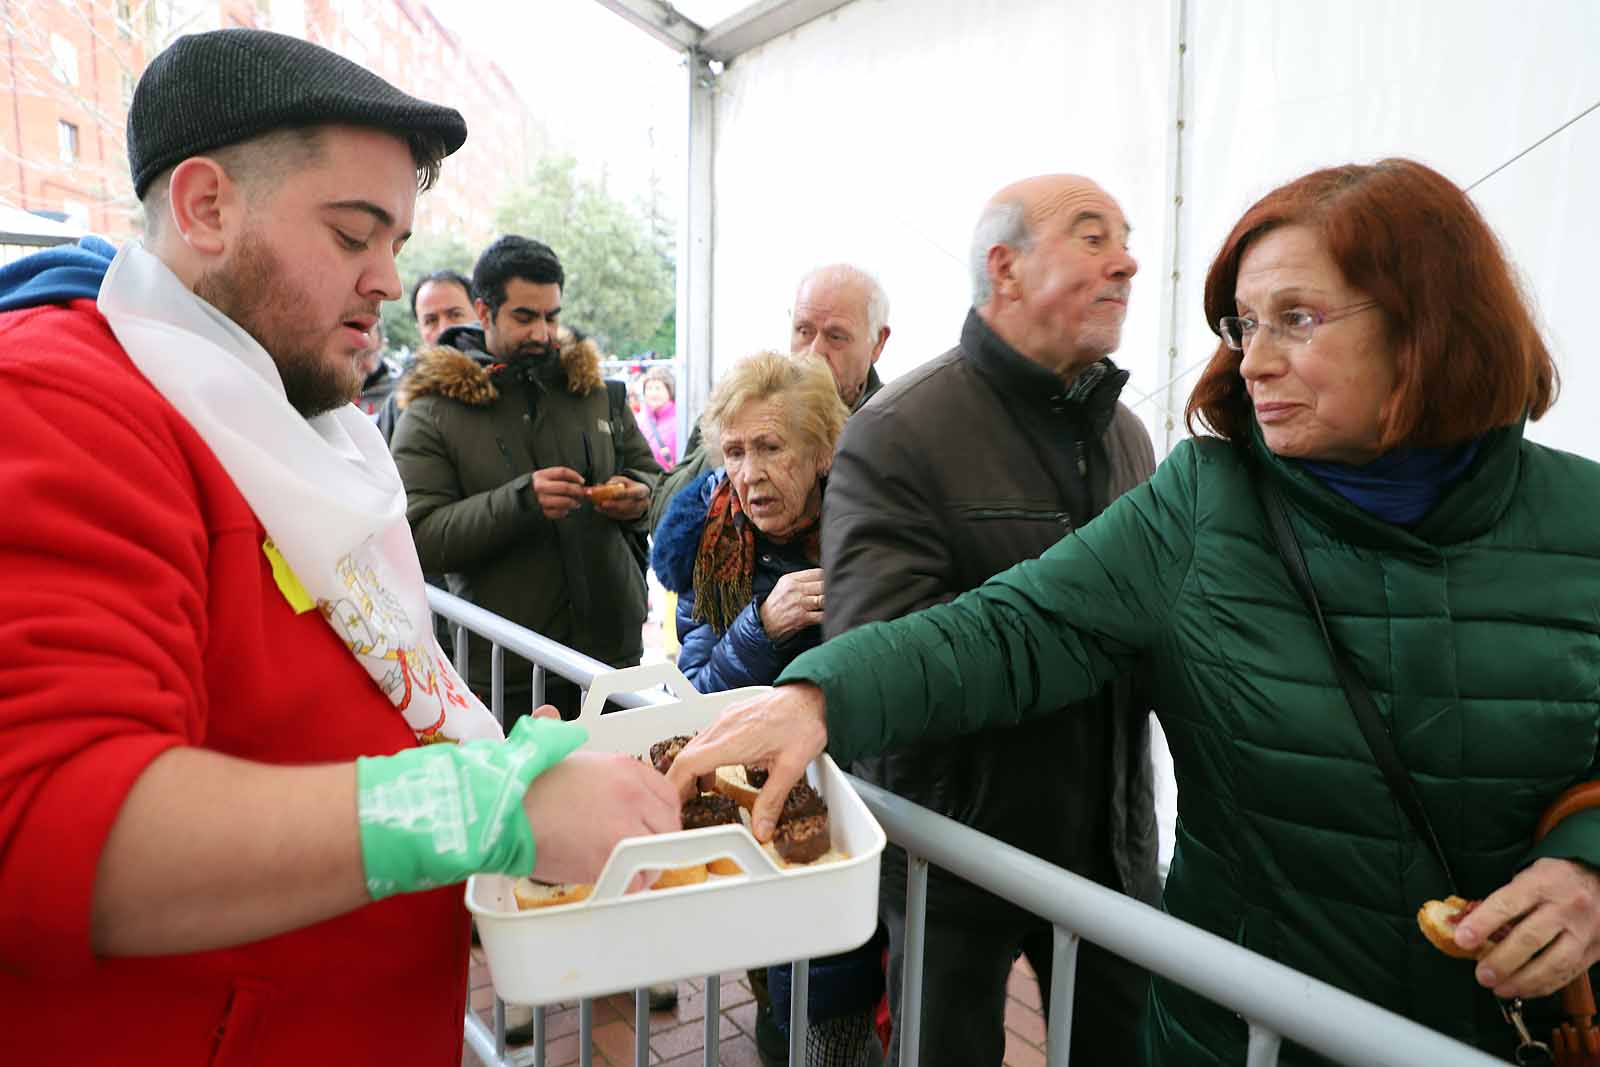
(609, 93)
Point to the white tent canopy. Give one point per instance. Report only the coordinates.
(872, 131)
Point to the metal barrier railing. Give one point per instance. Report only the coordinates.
(1276, 1001)
(549, 656)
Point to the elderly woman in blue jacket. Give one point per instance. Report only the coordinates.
(740, 546)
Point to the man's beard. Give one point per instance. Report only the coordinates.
(254, 290)
(532, 350)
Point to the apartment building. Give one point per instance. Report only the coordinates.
(69, 67)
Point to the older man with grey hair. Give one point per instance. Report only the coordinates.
(840, 315)
(918, 514)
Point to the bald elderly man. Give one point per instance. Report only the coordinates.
(840, 315)
(917, 515)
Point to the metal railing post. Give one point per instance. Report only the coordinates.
(713, 1006)
(460, 650)
(910, 1022)
(497, 684)
(480, 1042)
(499, 1028)
(799, 1008)
(1264, 1047)
(1063, 984)
(538, 688)
(538, 1036)
(641, 1027)
(585, 1032)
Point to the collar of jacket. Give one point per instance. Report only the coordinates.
(465, 377)
(382, 371)
(1468, 508)
(465, 338)
(1091, 399)
(874, 383)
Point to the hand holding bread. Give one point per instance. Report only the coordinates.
(619, 498)
(1438, 920)
(781, 731)
(1530, 937)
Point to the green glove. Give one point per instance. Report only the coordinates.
(433, 815)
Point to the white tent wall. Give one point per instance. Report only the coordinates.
(874, 135)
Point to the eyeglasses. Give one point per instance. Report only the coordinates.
(1296, 326)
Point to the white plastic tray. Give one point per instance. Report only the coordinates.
(614, 941)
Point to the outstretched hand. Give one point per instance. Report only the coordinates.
(782, 731)
(1555, 905)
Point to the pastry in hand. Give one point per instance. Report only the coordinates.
(1439, 919)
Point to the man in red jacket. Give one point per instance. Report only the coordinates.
(226, 834)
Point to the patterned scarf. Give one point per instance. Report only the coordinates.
(725, 565)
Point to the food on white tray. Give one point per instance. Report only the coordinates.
(532, 894)
(803, 837)
(833, 855)
(740, 784)
(671, 879)
(713, 809)
(662, 753)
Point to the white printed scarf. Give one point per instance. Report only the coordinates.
(325, 489)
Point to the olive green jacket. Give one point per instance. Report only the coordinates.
(467, 444)
(1478, 632)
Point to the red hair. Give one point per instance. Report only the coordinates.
(1468, 355)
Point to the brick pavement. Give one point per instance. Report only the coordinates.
(677, 1037)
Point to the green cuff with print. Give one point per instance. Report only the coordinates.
(432, 815)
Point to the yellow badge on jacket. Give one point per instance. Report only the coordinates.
(288, 584)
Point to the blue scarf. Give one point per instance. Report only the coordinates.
(1402, 485)
(56, 275)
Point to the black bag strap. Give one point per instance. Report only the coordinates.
(1355, 690)
(617, 400)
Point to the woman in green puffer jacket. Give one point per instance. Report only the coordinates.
(1376, 364)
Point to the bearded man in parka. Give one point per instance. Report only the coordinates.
(500, 451)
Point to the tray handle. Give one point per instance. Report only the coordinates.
(662, 852)
(632, 680)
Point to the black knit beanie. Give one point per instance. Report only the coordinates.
(209, 90)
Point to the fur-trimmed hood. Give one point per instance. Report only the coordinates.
(468, 377)
(677, 537)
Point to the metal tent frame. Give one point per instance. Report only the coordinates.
(706, 52)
